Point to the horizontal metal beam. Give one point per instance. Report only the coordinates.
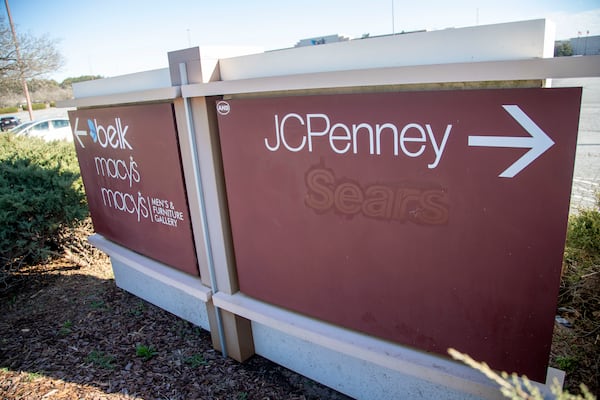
(539, 68)
(141, 96)
(531, 69)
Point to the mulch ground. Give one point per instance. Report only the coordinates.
(67, 332)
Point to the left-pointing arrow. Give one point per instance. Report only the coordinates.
(538, 141)
(79, 132)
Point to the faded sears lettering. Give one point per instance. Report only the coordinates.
(403, 202)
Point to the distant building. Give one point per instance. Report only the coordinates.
(585, 45)
(321, 40)
(337, 38)
(582, 45)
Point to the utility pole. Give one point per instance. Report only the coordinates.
(19, 61)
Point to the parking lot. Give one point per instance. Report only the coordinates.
(49, 112)
(586, 179)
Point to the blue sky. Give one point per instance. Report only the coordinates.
(115, 37)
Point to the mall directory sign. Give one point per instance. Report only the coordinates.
(432, 219)
(131, 169)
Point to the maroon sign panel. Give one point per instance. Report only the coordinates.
(131, 169)
(430, 219)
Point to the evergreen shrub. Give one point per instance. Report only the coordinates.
(35, 106)
(41, 192)
(9, 110)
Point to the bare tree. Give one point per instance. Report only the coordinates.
(8, 54)
(39, 56)
(34, 57)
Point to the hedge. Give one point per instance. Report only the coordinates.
(41, 192)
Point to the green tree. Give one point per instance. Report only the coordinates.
(563, 49)
(68, 82)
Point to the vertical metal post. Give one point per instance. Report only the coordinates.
(200, 195)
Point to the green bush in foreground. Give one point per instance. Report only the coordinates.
(40, 193)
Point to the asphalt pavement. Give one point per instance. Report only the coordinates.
(586, 178)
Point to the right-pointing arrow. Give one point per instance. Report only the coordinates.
(538, 142)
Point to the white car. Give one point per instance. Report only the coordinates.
(47, 129)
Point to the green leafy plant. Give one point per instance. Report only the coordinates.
(196, 360)
(566, 363)
(32, 376)
(65, 329)
(101, 359)
(97, 304)
(583, 236)
(139, 309)
(146, 352)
